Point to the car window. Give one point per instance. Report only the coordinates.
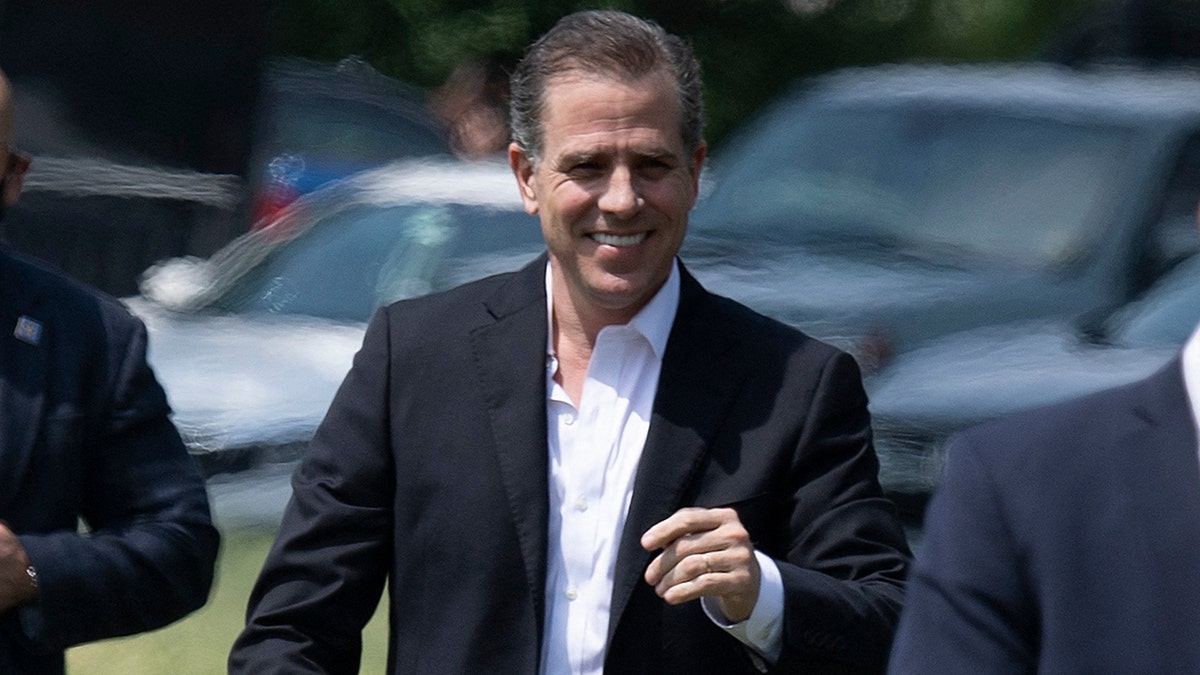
(979, 184)
(1172, 234)
(1166, 315)
(362, 257)
(350, 131)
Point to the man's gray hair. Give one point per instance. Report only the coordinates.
(603, 43)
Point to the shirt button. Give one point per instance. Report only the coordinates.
(581, 504)
(568, 419)
(572, 593)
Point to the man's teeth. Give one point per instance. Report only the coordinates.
(619, 239)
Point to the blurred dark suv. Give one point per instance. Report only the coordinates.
(880, 207)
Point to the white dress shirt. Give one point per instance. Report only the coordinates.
(594, 451)
(1191, 375)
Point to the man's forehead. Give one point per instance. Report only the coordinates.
(583, 109)
(581, 75)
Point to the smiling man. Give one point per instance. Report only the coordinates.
(592, 464)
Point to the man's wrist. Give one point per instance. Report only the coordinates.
(762, 632)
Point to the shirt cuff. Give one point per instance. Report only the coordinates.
(762, 631)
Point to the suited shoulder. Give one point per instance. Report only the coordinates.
(466, 305)
(763, 342)
(772, 331)
(1080, 432)
(52, 297)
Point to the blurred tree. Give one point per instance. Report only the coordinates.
(751, 49)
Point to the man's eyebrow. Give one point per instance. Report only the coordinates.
(578, 157)
(591, 156)
(660, 153)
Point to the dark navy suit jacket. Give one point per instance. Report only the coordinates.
(430, 472)
(85, 441)
(1064, 540)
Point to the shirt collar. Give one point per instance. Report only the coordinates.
(653, 321)
(1191, 374)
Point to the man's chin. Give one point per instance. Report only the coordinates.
(623, 294)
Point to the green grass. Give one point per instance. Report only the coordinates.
(199, 644)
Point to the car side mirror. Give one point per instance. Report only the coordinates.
(176, 283)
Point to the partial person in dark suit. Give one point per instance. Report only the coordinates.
(592, 464)
(1066, 539)
(104, 520)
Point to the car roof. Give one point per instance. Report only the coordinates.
(1112, 92)
(437, 180)
(432, 179)
(351, 79)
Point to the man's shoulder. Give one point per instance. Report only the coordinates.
(1089, 424)
(472, 293)
(1105, 407)
(57, 297)
(765, 337)
(465, 307)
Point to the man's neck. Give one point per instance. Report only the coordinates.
(574, 338)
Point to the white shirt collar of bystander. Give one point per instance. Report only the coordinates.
(1191, 375)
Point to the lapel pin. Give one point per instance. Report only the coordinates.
(28, 331)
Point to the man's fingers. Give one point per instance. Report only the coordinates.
(686, 533)
(715, 574)
(690, 520)
(704, 552)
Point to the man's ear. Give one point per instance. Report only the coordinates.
(698, 158)
(522, 168)
(12, 187)
(14, 176)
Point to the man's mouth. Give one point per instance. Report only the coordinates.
(619, 240)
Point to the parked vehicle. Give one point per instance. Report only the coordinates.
(252, 343)
(961, 379)
(881, 207)
(321, 122)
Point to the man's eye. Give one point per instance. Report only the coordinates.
(584, 169)
(654, 169)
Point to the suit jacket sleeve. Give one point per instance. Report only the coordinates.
(846, 559)
(147, 556)
(326, 572)
(967, 595)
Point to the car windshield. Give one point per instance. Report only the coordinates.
(1165, 316)
(934, 182)
(359, 258)
(353, 130)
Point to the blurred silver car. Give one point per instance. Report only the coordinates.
(880, 207)
(252, 343)
(961, 379)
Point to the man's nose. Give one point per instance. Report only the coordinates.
(620, 196)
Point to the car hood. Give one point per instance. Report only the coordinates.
(236, 382)
(847, 299)
(968, 377)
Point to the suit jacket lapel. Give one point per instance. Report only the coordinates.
(510, 358)
(1161, 470)
(697, 382)
(22, 381)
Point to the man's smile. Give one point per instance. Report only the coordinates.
(619, 240)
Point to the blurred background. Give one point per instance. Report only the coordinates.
(990, 203)
(186, 90)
